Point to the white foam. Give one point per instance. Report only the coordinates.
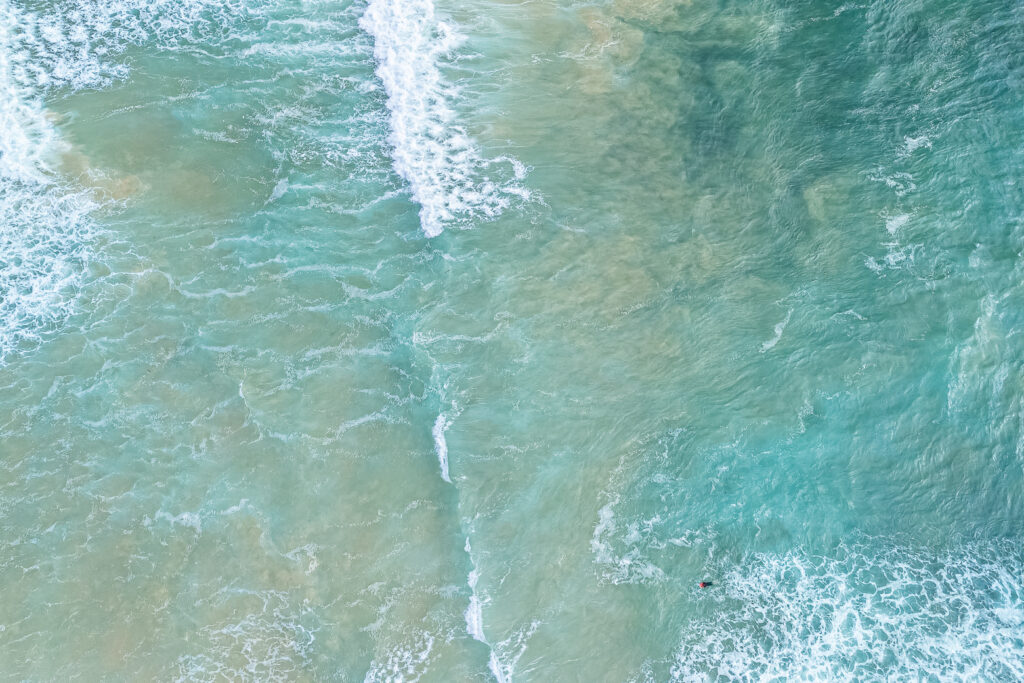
(44, 226)
(191, 520)
(779, 329)
(475, 623)
(474, 613)
(443, 166)
(910, 144)
(73, 45)
(263, 636)
(498, 670)
(406, 662)
(506, 654)
(900, 182)
(441, 425)
(980, 364)
(605, 525)
(629, 566)
(864, 614)
(894, 223)
(279, 190)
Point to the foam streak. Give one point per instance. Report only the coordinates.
(441, 425)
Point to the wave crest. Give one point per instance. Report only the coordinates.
(446, 173)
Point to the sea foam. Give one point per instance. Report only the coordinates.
(864, 614)
(250, 635)
(441, 425)
(44, 226)
(446, 173)
(474, 613)
(475, 622)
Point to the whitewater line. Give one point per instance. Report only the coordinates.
(441, 424)
(475, 621)
(430, 151)
(474, 611)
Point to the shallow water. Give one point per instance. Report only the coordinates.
(458, 341)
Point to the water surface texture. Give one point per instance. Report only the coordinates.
(401, 340)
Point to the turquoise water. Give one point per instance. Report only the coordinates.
(421, 340)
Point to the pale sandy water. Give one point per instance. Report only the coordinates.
(747, 311)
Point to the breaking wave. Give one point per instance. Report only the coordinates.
(442, 164)
(862, 615)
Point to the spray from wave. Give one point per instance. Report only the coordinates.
(441, 163)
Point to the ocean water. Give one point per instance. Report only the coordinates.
(398, 340)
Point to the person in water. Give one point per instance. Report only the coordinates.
(705, 584)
